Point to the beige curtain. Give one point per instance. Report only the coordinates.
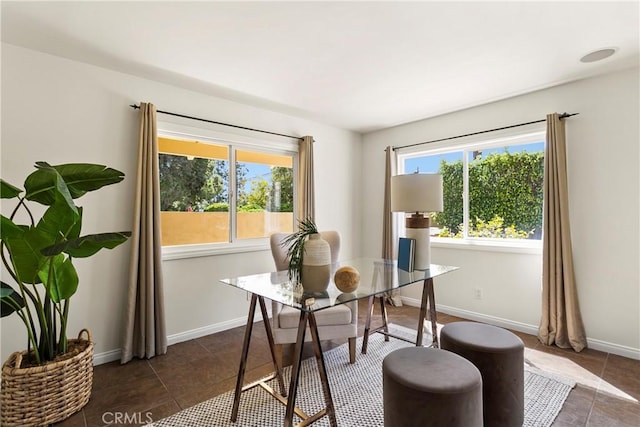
(306, 187)
(389, 237)
(145, 335)
(561, 322)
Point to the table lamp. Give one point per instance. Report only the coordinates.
(417, 193)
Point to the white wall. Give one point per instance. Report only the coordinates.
(604, 190)
(63, 111)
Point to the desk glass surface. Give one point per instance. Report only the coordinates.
(376, 276)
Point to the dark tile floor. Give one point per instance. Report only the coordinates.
(607, 394)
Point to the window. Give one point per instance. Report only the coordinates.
(222, 194)
(265, 193)
(492, 189)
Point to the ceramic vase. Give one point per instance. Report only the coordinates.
(316, 265)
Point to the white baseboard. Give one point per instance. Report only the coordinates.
(607, 347)
(620, 350)
(209, 329)
(113, 355)
(106, 357)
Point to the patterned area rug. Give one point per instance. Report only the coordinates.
(356, 391)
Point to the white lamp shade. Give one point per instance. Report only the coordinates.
(416, 192)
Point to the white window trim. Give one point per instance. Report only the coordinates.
(500, 139)
(173, 130)
(497, 138)
(493, 245)
(217, 137)
(212, 249)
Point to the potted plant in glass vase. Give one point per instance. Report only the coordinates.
(52, 378)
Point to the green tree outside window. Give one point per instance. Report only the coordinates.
(505, 196)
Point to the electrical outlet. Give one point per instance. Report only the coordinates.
(477, 293)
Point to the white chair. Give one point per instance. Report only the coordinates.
(340, 321)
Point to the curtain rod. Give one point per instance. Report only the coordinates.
(219, 123)
(562, 116)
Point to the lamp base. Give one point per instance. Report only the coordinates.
(417, 227)
(417, 220)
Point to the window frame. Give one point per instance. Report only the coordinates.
(233, 142)
(466, 145)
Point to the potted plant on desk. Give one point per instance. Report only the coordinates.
(309, 258)
(52, 379)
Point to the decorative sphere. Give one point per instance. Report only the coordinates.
(347, 279)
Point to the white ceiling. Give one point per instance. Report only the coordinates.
(357, 65)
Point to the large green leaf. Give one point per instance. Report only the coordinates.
(84, 177)
(26, 253)
(60, 278)
(8, 191)
(60, 221)
(10, 300)
(86, 246)
(9, 229)
(74, 233)
(79, 178)
(45, 185)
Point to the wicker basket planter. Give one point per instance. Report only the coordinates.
(42, 395)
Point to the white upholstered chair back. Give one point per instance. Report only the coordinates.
(286, 335)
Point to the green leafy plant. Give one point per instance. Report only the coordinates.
(295, 246)
(217, 207)
(506, 185)
(39, 255)
(495, 228)
(492, 229)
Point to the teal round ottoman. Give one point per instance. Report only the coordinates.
(499, 356)
(430, 387)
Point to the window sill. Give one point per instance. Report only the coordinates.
(194, 251)
(524, 247)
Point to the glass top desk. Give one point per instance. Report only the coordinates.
(377, 276)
